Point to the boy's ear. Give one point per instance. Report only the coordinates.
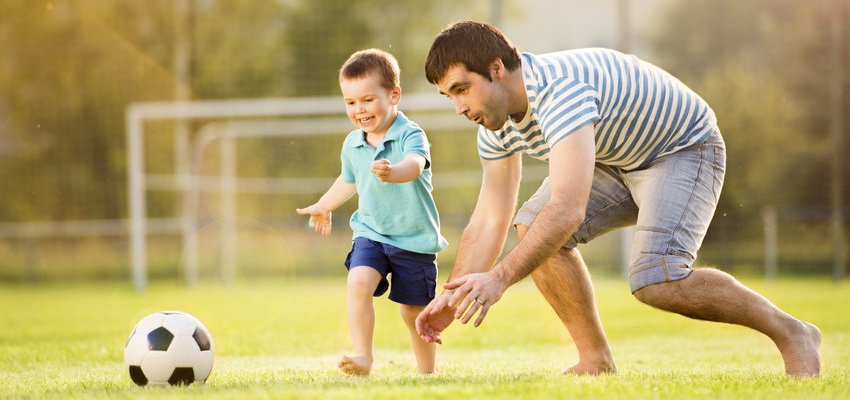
(395, 95)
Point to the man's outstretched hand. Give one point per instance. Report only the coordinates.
(435, 318)
(475, 293)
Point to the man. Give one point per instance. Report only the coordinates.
(626, 143)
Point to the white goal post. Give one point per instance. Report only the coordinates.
(189, 182)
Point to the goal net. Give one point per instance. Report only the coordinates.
(245, 167)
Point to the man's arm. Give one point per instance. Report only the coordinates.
(481, 241)
(485, 234)
(571, 167)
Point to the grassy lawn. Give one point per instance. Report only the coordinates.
(280, 339)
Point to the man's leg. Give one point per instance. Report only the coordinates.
(565, 283)
(713, 295)
(677, 196)
(564, 279)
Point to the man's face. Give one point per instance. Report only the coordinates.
(478, 99)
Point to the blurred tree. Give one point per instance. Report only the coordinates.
(65, 79)
(70, 68)
(762, 64)
(239, 50)
(762, 127)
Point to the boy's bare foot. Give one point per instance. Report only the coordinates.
(801, 352)
(580, 370)
(591, 369)
(355, 365)
(603, 365)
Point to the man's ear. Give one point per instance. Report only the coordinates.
(497, 69)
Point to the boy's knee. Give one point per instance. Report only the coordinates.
(409, 313)
(408, 310)
(363, 277)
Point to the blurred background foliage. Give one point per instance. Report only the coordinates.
(69, 69)
(766, 67)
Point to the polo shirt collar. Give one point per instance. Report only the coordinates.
(395, 131)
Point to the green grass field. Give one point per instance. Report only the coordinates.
(280, 339)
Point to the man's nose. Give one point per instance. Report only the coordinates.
(460, 108)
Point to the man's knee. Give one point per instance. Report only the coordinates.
(521, 230)
(648, 294)
(655, 294)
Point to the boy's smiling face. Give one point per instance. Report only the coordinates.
(369, 105)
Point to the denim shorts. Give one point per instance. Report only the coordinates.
(414, 275)
(671, 201)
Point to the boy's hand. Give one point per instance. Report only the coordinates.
(382, 169)
(320, 218)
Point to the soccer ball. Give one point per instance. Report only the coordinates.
(169, 347)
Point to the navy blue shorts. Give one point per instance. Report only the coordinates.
(414, 275)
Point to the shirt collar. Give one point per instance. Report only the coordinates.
(529, 76)
(393, 133)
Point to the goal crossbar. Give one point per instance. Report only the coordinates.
(314, 113)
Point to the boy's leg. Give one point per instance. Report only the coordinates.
(414, 283)
(425, 352)
(362, 282)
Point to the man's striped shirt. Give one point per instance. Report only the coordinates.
(639, 111)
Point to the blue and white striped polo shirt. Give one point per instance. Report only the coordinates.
(639, 111)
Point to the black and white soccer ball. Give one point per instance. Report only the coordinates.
(169, 347)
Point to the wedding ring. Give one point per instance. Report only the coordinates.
(477, 300)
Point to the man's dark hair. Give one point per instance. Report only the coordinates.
(472, 44)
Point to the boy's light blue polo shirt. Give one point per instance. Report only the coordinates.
(401, 214)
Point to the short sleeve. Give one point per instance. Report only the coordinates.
(570, 105)
(347, 168)
(415, 142)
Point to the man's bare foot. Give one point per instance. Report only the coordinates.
(355, 365)
(801, 352)
(591, 369)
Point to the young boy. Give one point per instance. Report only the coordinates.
(396, 226)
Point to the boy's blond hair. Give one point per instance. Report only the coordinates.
(369, 61)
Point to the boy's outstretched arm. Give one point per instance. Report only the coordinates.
(404, 171)
(320, 212)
